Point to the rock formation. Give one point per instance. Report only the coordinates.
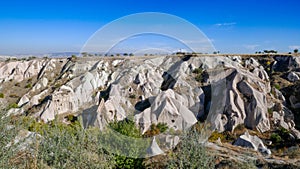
(246, 140)
(223, 91)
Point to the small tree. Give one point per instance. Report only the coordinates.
(84, 54)
(191, 153)
(295, 50)
(73, 57)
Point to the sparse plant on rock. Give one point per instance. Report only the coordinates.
(191, 153)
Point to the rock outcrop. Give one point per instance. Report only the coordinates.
(239, 97)
(224, 91)
(170, 108)
(292, 77)
(246, 140)
(286, 63)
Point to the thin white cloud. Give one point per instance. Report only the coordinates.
(225, 24)
(198, 41)
(251, 47)
(294, 47)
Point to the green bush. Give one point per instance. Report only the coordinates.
(126, 127)
(199, 78)
(275, 138)
(162, 127)
(215, 136)
(277, 86)
(28, 85)
(156, 129)
(191, 153)
(1, 95)
(13, 105)
(132, 96)
(59, 146)
(13, 96)
(10, 155)
(123, 139)
(198, 70)
(69, 146)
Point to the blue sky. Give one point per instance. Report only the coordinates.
(29, 27)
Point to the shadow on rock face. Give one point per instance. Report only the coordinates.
(168, 83)
(89, 116)
(142, 105)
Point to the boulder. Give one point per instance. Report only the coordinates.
(154, 149)
(246, 140)
(24, 100)
(292, 77)
(286, 63)
(295, 103)
(278, 95)
(23, 140)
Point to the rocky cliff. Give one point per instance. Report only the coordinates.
(224, 92)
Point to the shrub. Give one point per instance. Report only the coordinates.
(13, 96)
(270, 111)
(198, 70)
(127, 148)
(69, 146)
(225, 136)
(199, 78)
(215, 136)
(13, 105)
(277, 86)
(1, 95)
(132, 96)
(275, 138)
(191, 153)
(28, 85)
(126, 127)
(56, 86)
(74, 57)
(162, 127)
(156, 129)
(8, 133)
(61, 145)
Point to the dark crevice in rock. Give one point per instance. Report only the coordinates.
(207, 103)
(104, 94)
(142, 105)
(168, 83)
(186, 58)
